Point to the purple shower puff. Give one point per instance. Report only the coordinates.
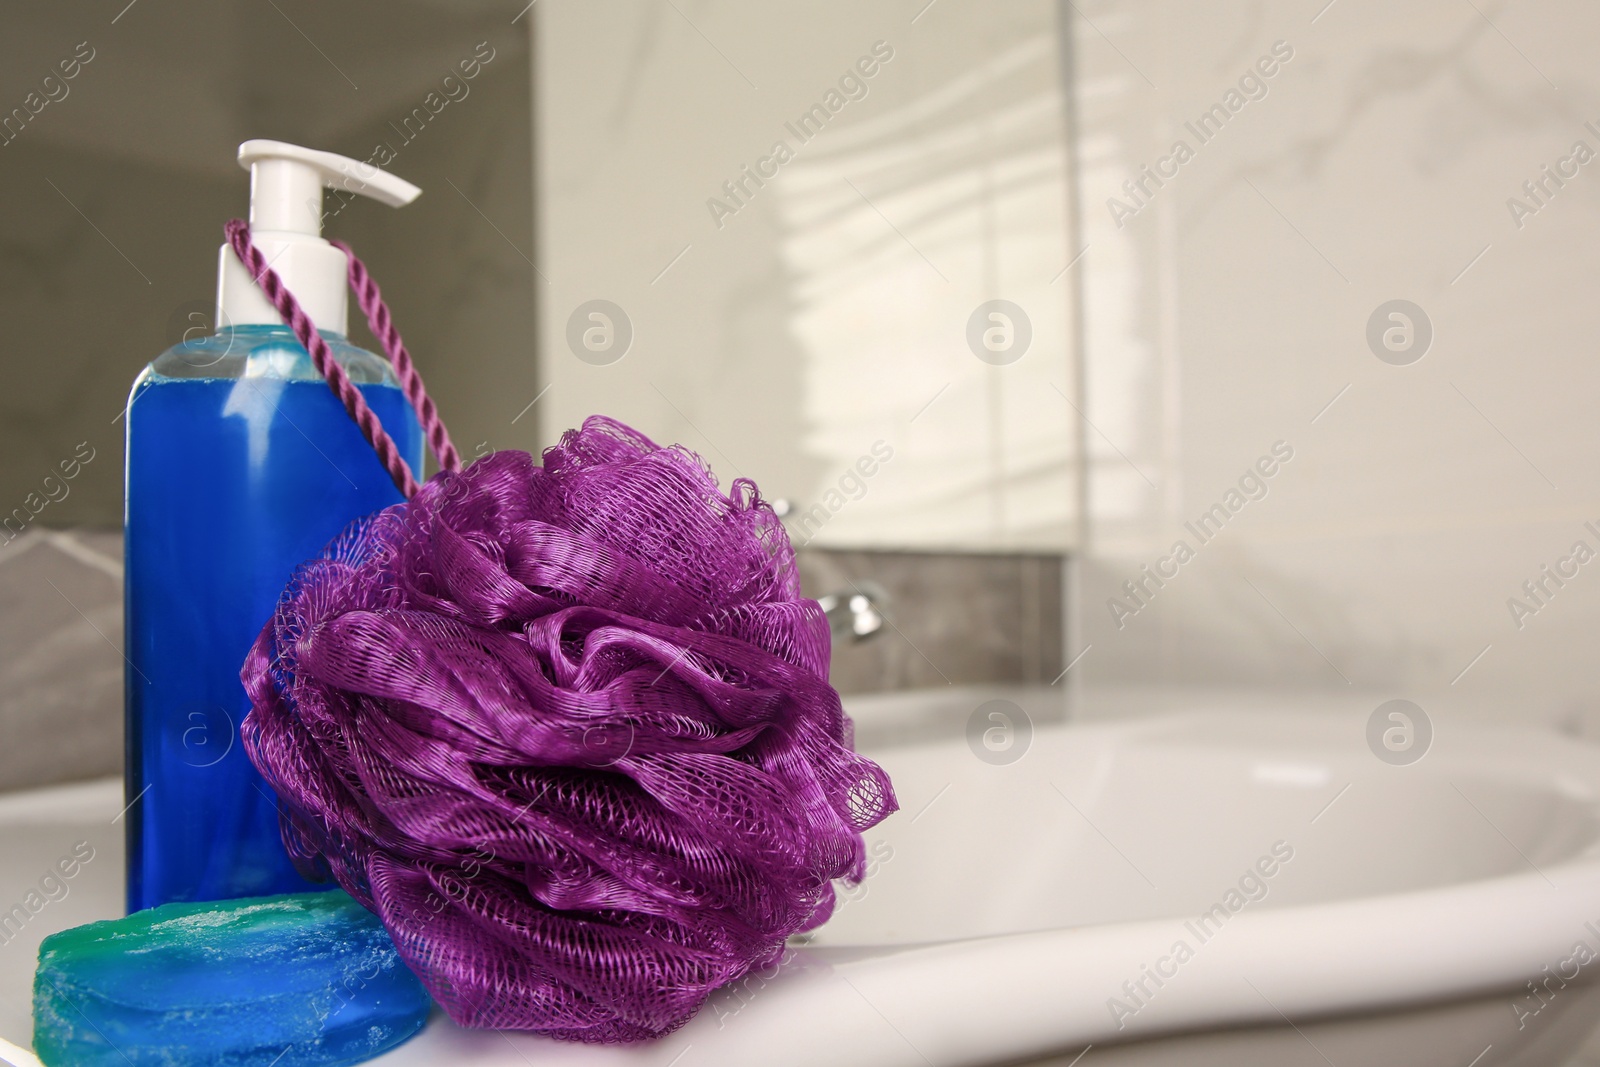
(567, 730)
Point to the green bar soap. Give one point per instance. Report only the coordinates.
(299, 980)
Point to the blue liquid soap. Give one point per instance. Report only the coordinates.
(241, 465)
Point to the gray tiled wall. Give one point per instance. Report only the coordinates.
(60, 657)
(958, 619)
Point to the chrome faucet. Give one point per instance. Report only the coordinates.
(857, 614)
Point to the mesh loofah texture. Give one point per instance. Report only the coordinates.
(567, 730)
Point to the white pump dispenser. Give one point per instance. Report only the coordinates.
(286, 183)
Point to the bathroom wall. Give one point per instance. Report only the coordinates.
(1238, 311)
(792, 214)
(1225, 328)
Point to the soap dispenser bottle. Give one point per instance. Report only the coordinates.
(241, 464)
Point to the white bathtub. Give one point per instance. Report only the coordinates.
(1024, 913)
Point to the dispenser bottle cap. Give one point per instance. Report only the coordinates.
(286, 183)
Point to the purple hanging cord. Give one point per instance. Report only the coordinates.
(377, 312)
(383, 328)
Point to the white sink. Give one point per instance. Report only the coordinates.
(1022, 913)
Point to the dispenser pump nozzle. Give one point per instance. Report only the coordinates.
(286, 183)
